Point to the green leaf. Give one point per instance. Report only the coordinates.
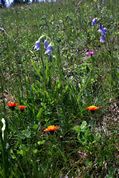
(41, 142)
(35, 126)
(77, 128)
(40, 113)
(83, 126)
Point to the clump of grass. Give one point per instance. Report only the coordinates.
(57, 80)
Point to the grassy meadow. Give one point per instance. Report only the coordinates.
(59, 90)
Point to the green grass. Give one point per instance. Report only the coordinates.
(57, 91)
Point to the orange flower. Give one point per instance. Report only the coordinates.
(92, 108)
(51, 128)
(22, 107)
(11, 105)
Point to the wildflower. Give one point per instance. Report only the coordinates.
(46, 44)
(51, 128)
(3, 128)
(102, 30)
(102, 38)
(94, 21)
(92, 108)
(90, 53)
(11, 105)
(49, 49)
(22, 107)
(37, 45)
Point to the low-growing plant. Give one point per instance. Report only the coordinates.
(59, 90)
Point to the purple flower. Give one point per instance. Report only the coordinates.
(49, 49)
(94, 21)
(102, 39)
(37, 45)
(102, 30)
(90, 53)
(46, 44)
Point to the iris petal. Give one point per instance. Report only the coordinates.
(37, 45)
(46, 44)
(102, 39)
(49, 49)
(94, 21)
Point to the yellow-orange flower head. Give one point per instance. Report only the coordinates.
(92, 108)
(52, 128)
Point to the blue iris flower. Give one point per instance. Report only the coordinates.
(49, 49)
(102, 38)
(94, 21)
(46, 44)
(102, 30)
(37, 45)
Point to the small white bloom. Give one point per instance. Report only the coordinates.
(2, 29)
(3, 128)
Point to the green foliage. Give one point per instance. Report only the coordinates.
(57, 90)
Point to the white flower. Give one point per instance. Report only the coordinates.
(3, 128)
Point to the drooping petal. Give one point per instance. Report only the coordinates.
(102, 30)
(94, 21)
(101, 26)
(102, 39)
(37, 45)
(46, 44)
(49, 49)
